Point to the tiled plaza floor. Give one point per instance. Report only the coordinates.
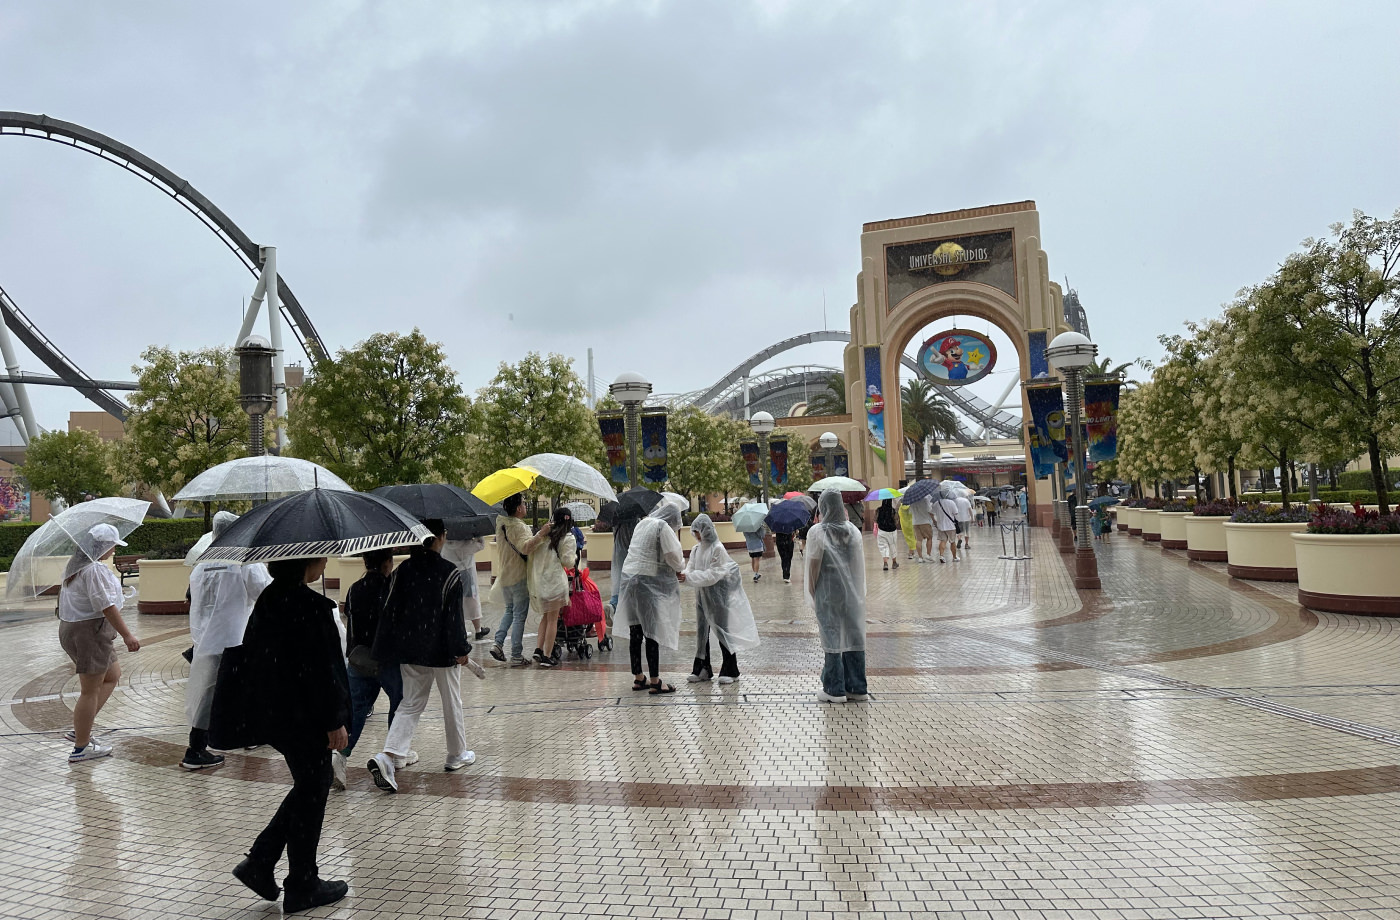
(1179, 745)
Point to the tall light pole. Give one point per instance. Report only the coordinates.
(1069, 353)
(762, 424)
(631, 389)
(256, 386)
(829, 442)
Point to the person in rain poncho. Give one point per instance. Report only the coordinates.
(222, 596)
(836, 593)
(649, 607)
(462, 554)
(552, 551)
(89, 613)
(906, 523)
(720, 604)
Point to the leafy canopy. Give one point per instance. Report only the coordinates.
(70, 465)
(533, 406)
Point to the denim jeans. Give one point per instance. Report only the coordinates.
(364, 691)
(517, 599)
(844, 673)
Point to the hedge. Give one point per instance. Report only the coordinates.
(153, 533)
(1323, 495)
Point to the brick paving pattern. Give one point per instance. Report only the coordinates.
(1179, 745)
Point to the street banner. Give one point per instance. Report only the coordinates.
(1047, 429)
(778, 460)
(1101, 419)
(750, 451)
(613, 427)
(874, 401)
(653, 458)
(1039, 340)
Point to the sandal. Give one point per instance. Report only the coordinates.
(659, 688)
(640, 684)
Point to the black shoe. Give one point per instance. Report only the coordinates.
(547, 662)
(316, 894)
(498, 653)
(483, 632)
(259, 877)
(539, 655)
(200, 760)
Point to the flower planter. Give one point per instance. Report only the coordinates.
(1205, 538)
(1173, 528)
(1263, 552)
(1119, 523)
(1349, 573)
(162, 585)
(1151, 525)
(1133, 518)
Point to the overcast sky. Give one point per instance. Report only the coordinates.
(673, 184)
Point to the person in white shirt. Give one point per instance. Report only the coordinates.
(89, 612)
(922, 513)
(222, 596)
(964, 517)
(462, 554)
(945, 517)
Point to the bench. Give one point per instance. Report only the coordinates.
(126, 567)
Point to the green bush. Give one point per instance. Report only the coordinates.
(1353, 480)
(12, 537)
(153, 533)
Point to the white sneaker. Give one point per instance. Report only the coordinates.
(727, 680)
(859, 697)
(93, 751)
(458, 763)
(476, 669)
(337, 771)
(381, 770)
(406, 760)
(824, 697)
(696, 678)
(787, 581)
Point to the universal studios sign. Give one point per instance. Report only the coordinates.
(948, 256)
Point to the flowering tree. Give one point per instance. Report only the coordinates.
(531, 407)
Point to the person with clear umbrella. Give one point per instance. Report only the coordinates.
(222, 596)
(462, 553)
(835, 589)
(649, 607)
(90, 619)
(721, 605)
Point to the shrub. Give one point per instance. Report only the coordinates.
(1353, 522)
(156, 533)
(168, 551)
(1355, 480)
(1219, 507)
(1178, 504)
(1153, 504)
(1268, 514)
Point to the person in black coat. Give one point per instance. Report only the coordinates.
(288, 688)
(424, 631)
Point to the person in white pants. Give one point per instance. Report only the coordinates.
(964, 518)
(424, 631)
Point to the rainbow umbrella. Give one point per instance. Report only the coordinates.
(880, 495)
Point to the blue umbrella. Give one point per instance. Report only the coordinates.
(1102, 500)
(788, 517)
(919, 491)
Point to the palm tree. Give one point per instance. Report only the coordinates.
(924, 414)
(832, 400)
(1104, 367)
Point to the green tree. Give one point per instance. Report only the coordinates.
(924, 414)
(388, 411)
(831, 399)
(702, 452)
(185, 417)
(534, 406)
(69, 465)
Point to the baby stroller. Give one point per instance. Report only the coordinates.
(583, 617)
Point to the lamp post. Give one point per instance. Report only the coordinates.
(255, 387)
(631, 389)
(829, 442)
(1069, 353)
(762, 424)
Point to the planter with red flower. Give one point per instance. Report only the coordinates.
(1171, 522)
(1148, 521)
(1349, 562)
(1258, 542)
(1205, 530)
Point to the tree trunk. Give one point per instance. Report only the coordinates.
(1378, 473)
(1283, 475)
(1231, 462)
(1196, 481)
(918, 459)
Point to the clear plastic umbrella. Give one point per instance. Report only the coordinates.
(570, 472)
(262, 477)
(750, 517)
(582, 511)
(839, 483)
(39, 564)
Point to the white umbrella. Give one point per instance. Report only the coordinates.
(570, 472)
(263, 477)
(680, 501)
(839, 483)
(39, 563)
(582, 511)
(750, 518)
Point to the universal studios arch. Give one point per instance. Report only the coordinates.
(984, 262)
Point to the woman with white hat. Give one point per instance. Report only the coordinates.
(89, 613)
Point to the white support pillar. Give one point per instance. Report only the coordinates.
(16, 396)
(254, 306)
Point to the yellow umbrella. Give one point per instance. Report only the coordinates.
(503, 483)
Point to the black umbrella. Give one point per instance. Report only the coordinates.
(466, 515)
(319, 522)
(633, 505)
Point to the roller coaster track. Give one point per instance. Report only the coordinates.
(23, 124)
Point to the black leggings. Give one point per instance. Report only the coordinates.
(653, 652)
(297, 825)
(785, 544)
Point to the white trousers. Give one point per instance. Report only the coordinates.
(885, 539)
(417, 682)
(199, 689)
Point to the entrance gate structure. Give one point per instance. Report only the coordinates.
(984, 262)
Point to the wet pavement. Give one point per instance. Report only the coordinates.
(1181, 744)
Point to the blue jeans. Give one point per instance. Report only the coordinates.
(364, 691)
(844, 673)
(517, 598)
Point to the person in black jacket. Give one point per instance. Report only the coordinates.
(424, 632)
(364, 604)
(294, 695)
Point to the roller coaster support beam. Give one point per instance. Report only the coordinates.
(274, 328)
(15, 395)
(1001, 401)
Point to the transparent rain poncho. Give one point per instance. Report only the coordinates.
(462, 554)
(720, 600)
(835, 583)
(222, 595)
(549, 586)
(651, 595)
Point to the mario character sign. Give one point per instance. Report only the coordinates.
(958, 357)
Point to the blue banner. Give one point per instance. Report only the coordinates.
(749, 450)
(1047, 428)
(1101, 420)
(874, 401)
(1039, 340)
(654, 447)
(778, 463)
(614, 430)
